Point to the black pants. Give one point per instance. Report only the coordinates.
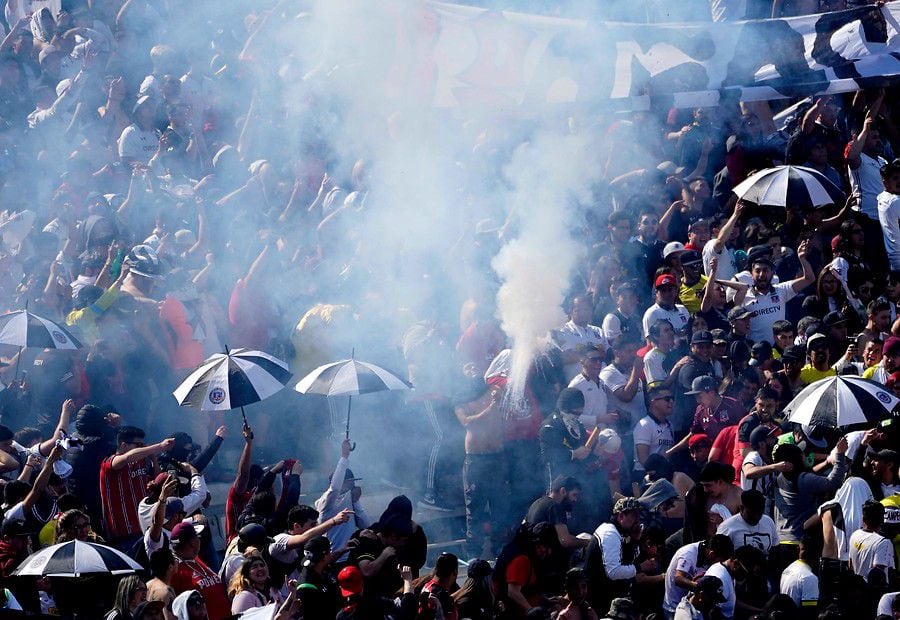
(486, 482)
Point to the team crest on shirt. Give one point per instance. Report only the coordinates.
(883, 397)
(60, 337)
(776, 299)
(217, 396)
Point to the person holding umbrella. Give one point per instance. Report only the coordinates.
(342, 495)
(768, 301)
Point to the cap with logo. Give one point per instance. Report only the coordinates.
(701, 337)
(666, 279)
(673, 248)
(702, 385)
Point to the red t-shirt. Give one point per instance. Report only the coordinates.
(234, 505)
(121, 490)
(519, 572)
(249, 317)
(724, 441)
(195, 575)
(184, 350)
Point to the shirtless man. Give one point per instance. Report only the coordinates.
(484, 473)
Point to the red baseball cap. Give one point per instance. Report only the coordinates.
(666, 279)
(350, 580)
(696, 440)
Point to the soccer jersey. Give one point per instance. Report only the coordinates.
(196, 575)
(121, 490)
(801, 584)
(767, 308)
(686, 560)
(655, 434)
(868, 550)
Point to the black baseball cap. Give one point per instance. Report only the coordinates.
(701, 337)
(711, 586)
(834, 318)
(701, 385)
(691, 258)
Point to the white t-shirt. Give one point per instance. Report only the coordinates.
(653, 366)
(767, 309)
(595, 399)
(612, 326)
(885, 602)
(278, 550)
(613, 380)
(889, 217)
(718, 570)
(800, 583)
(760, 484)
(866, 184)
(138, 144)
(649, 432)
(868, 550)
(684, 560)
(727, 263)
(763, 535)
(677, 316)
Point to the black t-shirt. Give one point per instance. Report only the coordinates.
(386, 581)
(546, 510)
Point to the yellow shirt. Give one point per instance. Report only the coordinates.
(692, 296)
(809, 374)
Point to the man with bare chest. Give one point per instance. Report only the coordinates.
(484, 474)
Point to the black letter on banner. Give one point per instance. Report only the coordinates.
(773, 41)
(874, 28)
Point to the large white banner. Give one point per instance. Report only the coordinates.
(450, 56)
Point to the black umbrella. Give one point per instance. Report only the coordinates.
(841, 401)
(789, 186)
(26, 330)
(350, 378)
(233, 379)
(76, 559)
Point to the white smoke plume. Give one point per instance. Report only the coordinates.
(551, 176)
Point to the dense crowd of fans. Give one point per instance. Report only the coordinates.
(169, 187)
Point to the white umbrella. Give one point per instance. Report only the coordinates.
(24, 329)
(233, 379)
(76, 559)
(841, 401)
(350, 378)
(784, 186)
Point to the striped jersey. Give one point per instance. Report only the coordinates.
(121, 490)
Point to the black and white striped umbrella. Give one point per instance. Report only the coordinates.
(233, 379)
(25, 330)
(841, 401)
(350, 378)
(794, 186)
(75, 559)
